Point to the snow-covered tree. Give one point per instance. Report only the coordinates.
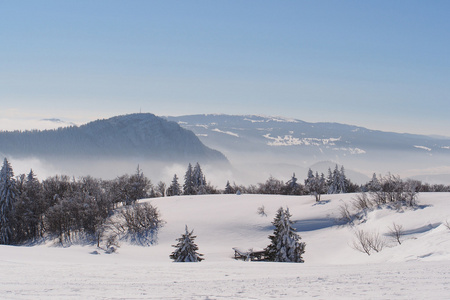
(342, 181)
(292, 186)
(174, 188)
(228, 188)
(188, 186)
(285, 242)
(161, 189)
(374, 185)
(29, 208)
(332, 180)
(186, 249)
(7, 202)
(139, 185)
(337, 181)
(315, 185)
(199, 180)
(272, 186)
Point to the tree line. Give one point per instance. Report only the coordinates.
(68, 208)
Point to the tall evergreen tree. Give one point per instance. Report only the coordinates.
(7, 202)
(343, 182)
(199, 180)
(188, 186)
(228, 188)
(29, 209)
(293, 187)
(174, 188)
(285, 242)
(186, 249)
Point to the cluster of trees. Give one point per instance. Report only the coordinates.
(194, 183)
(315, 184)
(335, 182)
(68, 208)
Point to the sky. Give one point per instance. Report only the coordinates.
(378, 64)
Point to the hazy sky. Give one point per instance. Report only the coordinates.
(379, 64)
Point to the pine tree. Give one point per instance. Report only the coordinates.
(228, 188)
(293, 188)
(174, 188)
(186, 249)
(188, 187)
(29, 209)
(343, 181)
(7, 202)
(330, 182)
(199, 180)
(285, 245)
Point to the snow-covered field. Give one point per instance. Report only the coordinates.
(419, 268)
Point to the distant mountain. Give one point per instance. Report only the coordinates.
(144, 136)
(276, 140)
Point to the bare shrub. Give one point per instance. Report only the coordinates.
(361, 243)
(376, 242)
(262, 211)
(367, 241)
(362, 202)
(447, 224)
(411, 192)
(344, 213)
(138, 223)
(396, 232)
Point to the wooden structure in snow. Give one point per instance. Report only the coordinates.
(249, 255)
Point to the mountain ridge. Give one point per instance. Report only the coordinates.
(137, 135)
(256, 139)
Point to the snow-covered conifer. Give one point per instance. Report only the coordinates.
(174, 188)
(28, 209)
(293, 188)
(188, 186)
(199, 180)
(285, 242)
(186, 249)
(7, 201)
(342, 181)
(228, 188)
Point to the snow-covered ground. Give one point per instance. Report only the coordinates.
(416, 269)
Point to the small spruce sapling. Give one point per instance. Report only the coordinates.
(186, 249)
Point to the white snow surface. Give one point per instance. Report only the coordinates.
(416, 269)
(423, 147)
(226, 132)
(289, 140)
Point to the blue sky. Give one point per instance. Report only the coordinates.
(379, 64)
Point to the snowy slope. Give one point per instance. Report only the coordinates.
(416, 269)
